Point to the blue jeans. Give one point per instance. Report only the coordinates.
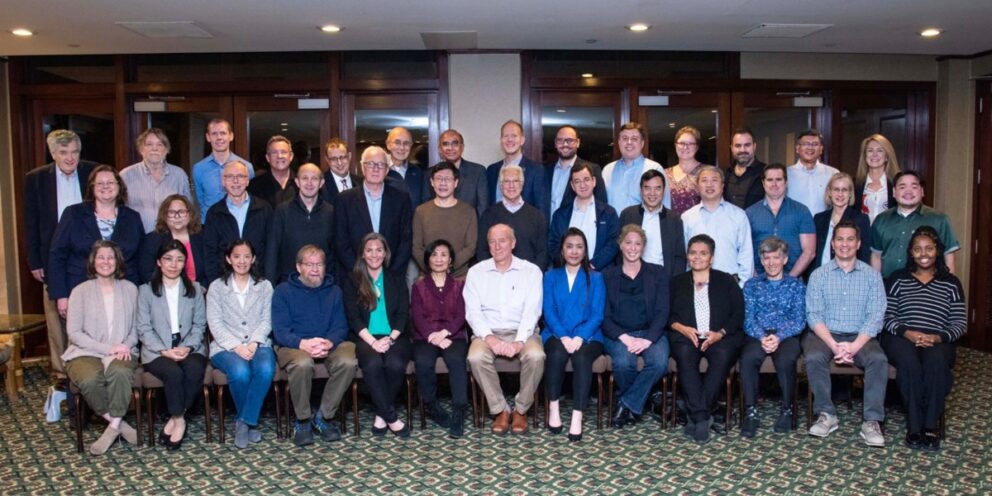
(248, 380)
(634, 387)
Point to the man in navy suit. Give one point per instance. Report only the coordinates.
(556, 190)
(406, 175)
(473, 185)
(512, 140)
(48, 190)
(338, 177)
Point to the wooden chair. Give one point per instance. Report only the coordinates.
(768, 367)
(9, 362)
(79, 406)
(703, 366)
(440, 368)
(151, 385)
(600, 366)
(278, 382)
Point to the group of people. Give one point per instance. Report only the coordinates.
(552, 265)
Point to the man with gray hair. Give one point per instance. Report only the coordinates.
(525, 219)
(153, 179)
(239, 215)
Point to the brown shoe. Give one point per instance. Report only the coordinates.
(519, 424)
(501, 423)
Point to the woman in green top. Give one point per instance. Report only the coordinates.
(378, 305)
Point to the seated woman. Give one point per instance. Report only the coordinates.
(377, 304)
(171, 320)
(177, 219)
(924, 318)
(634, 323)
(103, 342)
(438, 312)
(707, 314)
(239, 312)
(573, 312)
(774, 316)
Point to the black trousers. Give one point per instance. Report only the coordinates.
(702, 390)
(383, 374)
(425, 358)
(784, 358)
(554, 370)
(925, 377)
(183, 380)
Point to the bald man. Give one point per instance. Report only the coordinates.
(237, 215)
(307, 219)
(404, 174)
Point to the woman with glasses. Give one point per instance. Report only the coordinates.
(177, 220)
(445, 217)
(840, 196)
(681, 177)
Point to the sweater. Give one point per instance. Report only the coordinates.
(529, 226)
(293, 227)
(300, 312)
(457, 224)
(934, 308)
(231, 324)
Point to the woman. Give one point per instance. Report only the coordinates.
(774, 316)
(152, 180)
(681, 177)
(171, 320)
(925, 317)
(574, 296)
(634, 322)
(438, 312)
(445, 217)
(239, 313)
(101, 216)
(103, 342)
(177, 219)
(707, 314)
(877, 167)
(377, 304)
(839, 196)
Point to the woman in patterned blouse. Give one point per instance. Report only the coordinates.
(681, 177)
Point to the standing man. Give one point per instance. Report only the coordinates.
(724, 222)
(399, 142)
(525, 220)
(622, 177)
(238, 216)
(277, 186)
(557, 192)
(893, 228)
(808, 177)
(665, 234)
(744, 174)
(304, 220)
(150, 181)
(338, 177)
(597, 220)
(473, 186)
(511, 140)
(206, 173)
(784, 218)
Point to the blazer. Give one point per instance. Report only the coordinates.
(822, 223)
(573, 313)
(149, 251)
(86, 321)
(726, 303)
(672, 236)
(397, 302)
(155, 327)
(607, 231)
(473, 186)
(413, 183)
(533, 193)
(352, 222)
(73, 241)
(230, 323)
(330, 190)
(549, 175)
(41, 209)
(655, 291)
(222, 228)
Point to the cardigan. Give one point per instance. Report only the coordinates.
(575, 312)
(656, 288)
(397, 300)
(231, 324)
(154, 326)
(433, 310)
(86, 320)
(726, 302)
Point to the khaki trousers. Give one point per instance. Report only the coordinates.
(106, 391)
(340, 364)
(483, 364)
(57, 340)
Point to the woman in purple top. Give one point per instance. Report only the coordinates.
(438, 312)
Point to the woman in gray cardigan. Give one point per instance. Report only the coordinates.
(239, 312)
(171, 320)
(100, 358)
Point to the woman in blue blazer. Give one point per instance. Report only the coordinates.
(574, 297)
(596, 219)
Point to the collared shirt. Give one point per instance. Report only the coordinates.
(809, 187)
(375, 206)
(730, 229)
(623, 182)
(503, 300)
(240, 212)
(891, 232)
(585, 220)
(499, 194)
(651, 223)
(343, 183)
(875, 202)
(778, 305)
(400, 168)
(207, 181)
(513, 207)
(145, 194)
(792, 220)
(559, 181)
(846, 302)
(67, 189)
(240, 293)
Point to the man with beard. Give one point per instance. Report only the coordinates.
(744, 174)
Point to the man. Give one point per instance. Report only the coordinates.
(152, 180)
(512, 140)
(622, 177)
(277, 186)
(311, 330)
(665, 233)
(808, 177)
(375, 206)
(845, 308)
(785, 218)
(557, 192)
(503, 305)
(894, 227)
(239, 215)
(597, 220)
(447, 218)
(207, 182)
(410, 177)
(48, 191)
(744, 174)
(726, 223)
(307, 219)
(473, 186)
(338, 177)
(525, 219)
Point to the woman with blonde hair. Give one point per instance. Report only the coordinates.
(842, 207)
(877, 166)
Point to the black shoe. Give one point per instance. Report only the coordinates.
(719, 419)
(402, 433)
(555, 430)
(783, 424)
(914, 440)
(574, 437)
(163, 438)
(689, 429)
(931, 441)
(379, 431)
(328, 429)
(655, 400)
(439, 416)
(302, 433)
(456, 427)
(622, 417)
(701, 432)
(751, 422)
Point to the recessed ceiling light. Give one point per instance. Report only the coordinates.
(21, 32)
(285, 129)
(713, 111)
(638, 27)
(930, 32)
(283, 123)
(330, 28)
(561, 111)
(587, 75)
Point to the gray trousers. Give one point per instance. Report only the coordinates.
(106, 391)
(871, 358)
(340, 364)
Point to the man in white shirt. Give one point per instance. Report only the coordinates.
(808, 177)
(723, 221)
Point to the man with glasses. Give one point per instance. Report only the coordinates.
(808, 177)
(623, 177)
(511, 140)
(239, 215)
(557, 191)
(473, 186)
(407, 175)
(525, 219)
(153, 179)
(277, 186)
(338, 177)
(307, 219)
(207, 183)
(744, 173)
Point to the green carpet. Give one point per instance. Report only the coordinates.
(39, 458)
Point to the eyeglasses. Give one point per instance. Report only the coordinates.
(809, 144)
(175, 214)
(630, 139)
(566, 141)
(236, 177)
(312, 265)
(511, 182)
(105, 184)
(443, 179)
(450, 143)
(685, 144)
(404, 144)
(169, 259)
(374, 165)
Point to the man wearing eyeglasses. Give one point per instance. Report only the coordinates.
(529, 223)
(207, 183)
(512, 140)
(307, 219)
(239, 215)
(277, 186)
(473, 185)
(808, 177)
(338, 177)
(407, 175)
(557, 190)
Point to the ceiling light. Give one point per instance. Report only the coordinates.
(283, 123)
(561, 111)
(21, 32)
(638, 27)
(330, 28)
(587, 75)
(930, 32)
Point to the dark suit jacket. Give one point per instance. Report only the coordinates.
(533, 182)
(726, 303)
(330, 191)
(222, 228)
(822, 223)
(73, 241)
(267, 188)
(473, 186)
(655, 290)
(413, 183)
(41, 209)
(549, 175)
(352, 222)
(149, 250)
(672, 236)
(397, 302)
(607, 231)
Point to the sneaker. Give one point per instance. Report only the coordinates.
(825, 424)
(751, 422)
(254, 434)
(241, 437)
(871, 432)
(783, 424)
(302, 433)
(328, 429)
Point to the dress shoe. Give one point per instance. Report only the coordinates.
(501, 424)
(931, 441)
(379, 431)
(439, 416)
(519, 423)
(574, 437)
(783, 424)
(701, 432)
(751, 422)
(457, 426)
(401, 433)
(622, 417)
(914, 440)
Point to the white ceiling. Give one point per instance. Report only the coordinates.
(860, 26)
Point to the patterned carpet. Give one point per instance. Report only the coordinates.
(39, 458)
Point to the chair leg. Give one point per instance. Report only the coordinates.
(136, 398)
(729, 398)
(664, 401)
(740, 423)
(290, 414)
(609, 399)
(674, 419)
(472, 391)
(220, 415)
(78, 406)
(599, 401)
(149, 400)
(409, 401)
(795, 403)
(354, 403)
(276, 390)
(476, 412)
(207, 415)
(809, 405)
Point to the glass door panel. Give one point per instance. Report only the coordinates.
(367, 120)
(663, 122)
(775, 132)
(596, 116)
